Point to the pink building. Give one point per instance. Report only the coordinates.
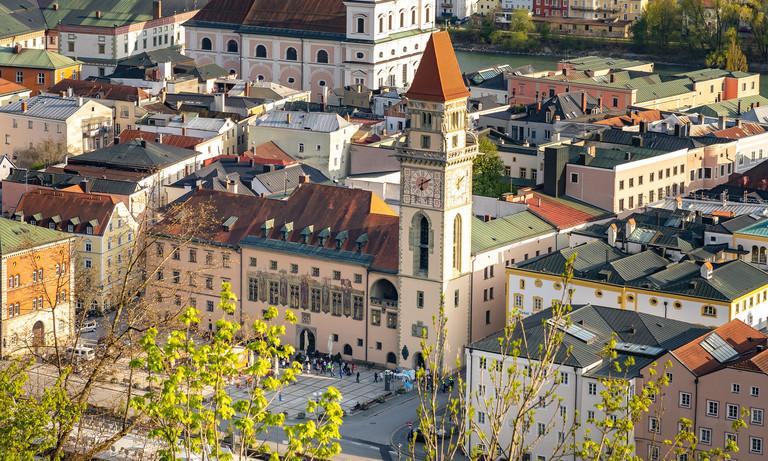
(714, 380)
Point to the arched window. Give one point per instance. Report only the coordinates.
(389, 21)
(391, 357)
(762, 255)
(347, 349)
(360, 25)
(457, 243)
(322, 56)
(290, 54)
(402, 18)
(261, 51)
(413, 17)
(206, 44)
(231, 46)
(426, 15)
(423, 245)
(381, 24)
(755, 255)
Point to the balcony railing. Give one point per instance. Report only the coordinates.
(382, 302)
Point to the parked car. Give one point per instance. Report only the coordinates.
(418, 435)
(89, 326)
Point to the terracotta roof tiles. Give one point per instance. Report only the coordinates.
(305, 15)
(8, 87)
(100, 90)
(557, 211)
(44, 205)
(185, 142)
(438, 77)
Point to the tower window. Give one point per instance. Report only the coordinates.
(423, 245)
(457, 243)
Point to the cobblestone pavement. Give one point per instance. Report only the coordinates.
(294, 397)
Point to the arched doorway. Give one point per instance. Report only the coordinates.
(347, 349)
(392, 358)
(38, 334)
(384, 293)
(418, 361)
(307, 341)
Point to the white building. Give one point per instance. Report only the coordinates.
(319, 139)
(579, 369)
(689, 291)
(99, 35)
(459, 9)
(316, 44)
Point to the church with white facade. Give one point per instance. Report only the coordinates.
(314, 45)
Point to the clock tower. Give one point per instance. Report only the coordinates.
(435, 205)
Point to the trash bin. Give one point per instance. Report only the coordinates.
(387, 381)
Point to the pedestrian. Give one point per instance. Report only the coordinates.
(357, 378)
(279, 396)
(375, 377)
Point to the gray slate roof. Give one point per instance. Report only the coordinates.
(628, 326)
(48, 107)
(315, 121)
(134, 155)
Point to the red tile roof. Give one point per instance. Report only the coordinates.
(737, 132)
(343, 211)
(438, 77)
(742, 337)
(100, 90)
(557, 211)
(8, 87)
(310, 15)
(185, 142)
(632, 119)
(67, 205)
(270, 153)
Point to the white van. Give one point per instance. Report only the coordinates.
(89, 327)
(83, 353)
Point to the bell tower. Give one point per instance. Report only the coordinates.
(435, 205)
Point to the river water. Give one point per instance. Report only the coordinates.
(471, 61)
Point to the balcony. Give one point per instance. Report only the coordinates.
(384, 294)
(383, 302)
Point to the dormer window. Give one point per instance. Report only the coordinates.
(89, 229)
(323, 236)
(286, 230)
(70, 228)
(51, 225)
(306, 233)
(33, 222)
(341, 237)
(360, 242)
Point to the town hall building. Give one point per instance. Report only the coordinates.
(315, 45)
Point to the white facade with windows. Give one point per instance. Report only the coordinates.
(382, 46)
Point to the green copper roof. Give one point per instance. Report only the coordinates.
(729, 108)
(35, 59)
(759, 229)
(114, 13)
(506, 230)
(16, 236)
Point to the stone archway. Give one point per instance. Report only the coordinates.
(38, 334)
(418, 361)
(307, 341)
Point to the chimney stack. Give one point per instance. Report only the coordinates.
(706, 270)
(98, 14)
(231, 185)
(55, 6)
(157, 9)
(143, 143)
(304, 179)
(584, 102)
(17, 48)
(159, 138)
(117, 140)
(630, 227)
(24, 106)
(612, 232)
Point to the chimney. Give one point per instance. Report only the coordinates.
(637, 141)
(143, 143)
(584, 102)
(721, 120)
(70, 92)
(219, 102)
(706, 270)
(98, 14)
(538, 106)
(487, 218)
(55, 7)
(612, 232)
(159, 138)
(600, 103)
(80, 101)
(231, 185)
(738, 107)
(643, 126)
(116, 140)
(17, 48)
(591, 150)
(679, 202)
(304, 179)
(629, 227)
(24, 106)
(701, 119)
(738, 122)
(611, 77)
(183, 131)
(157, 9)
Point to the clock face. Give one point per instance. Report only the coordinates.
(458, 187)
(422, 187)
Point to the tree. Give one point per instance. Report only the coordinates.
(520, 21)
(730, 58)
(188, 421)
(526, 376)
(660, 24)
(754, 13)
(488, 170)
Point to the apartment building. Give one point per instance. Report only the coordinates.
(321, 140)
(126, 101)
(317, 45)
(99, 35)
(624, 83)
(36, 69)
(717, 378)
(24, 24)
(38, 287)
(688, 290)
(627, 10)
(54, 127)
(105, 234)
(569, 413)
(622, 170)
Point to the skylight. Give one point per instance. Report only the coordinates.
(574, 330)
(718, 348)
(638, 349)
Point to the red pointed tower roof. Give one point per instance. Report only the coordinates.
(438, 77)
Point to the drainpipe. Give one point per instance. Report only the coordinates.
(576, 397)
(365, 316)
(468, 390)
(666, 303)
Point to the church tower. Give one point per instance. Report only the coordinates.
(435, 205)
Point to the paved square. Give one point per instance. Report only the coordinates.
(295, 396)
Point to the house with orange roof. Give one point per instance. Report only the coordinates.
(12, 92)
(105, 236)
(714, 380)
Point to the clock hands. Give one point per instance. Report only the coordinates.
(423, 183)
